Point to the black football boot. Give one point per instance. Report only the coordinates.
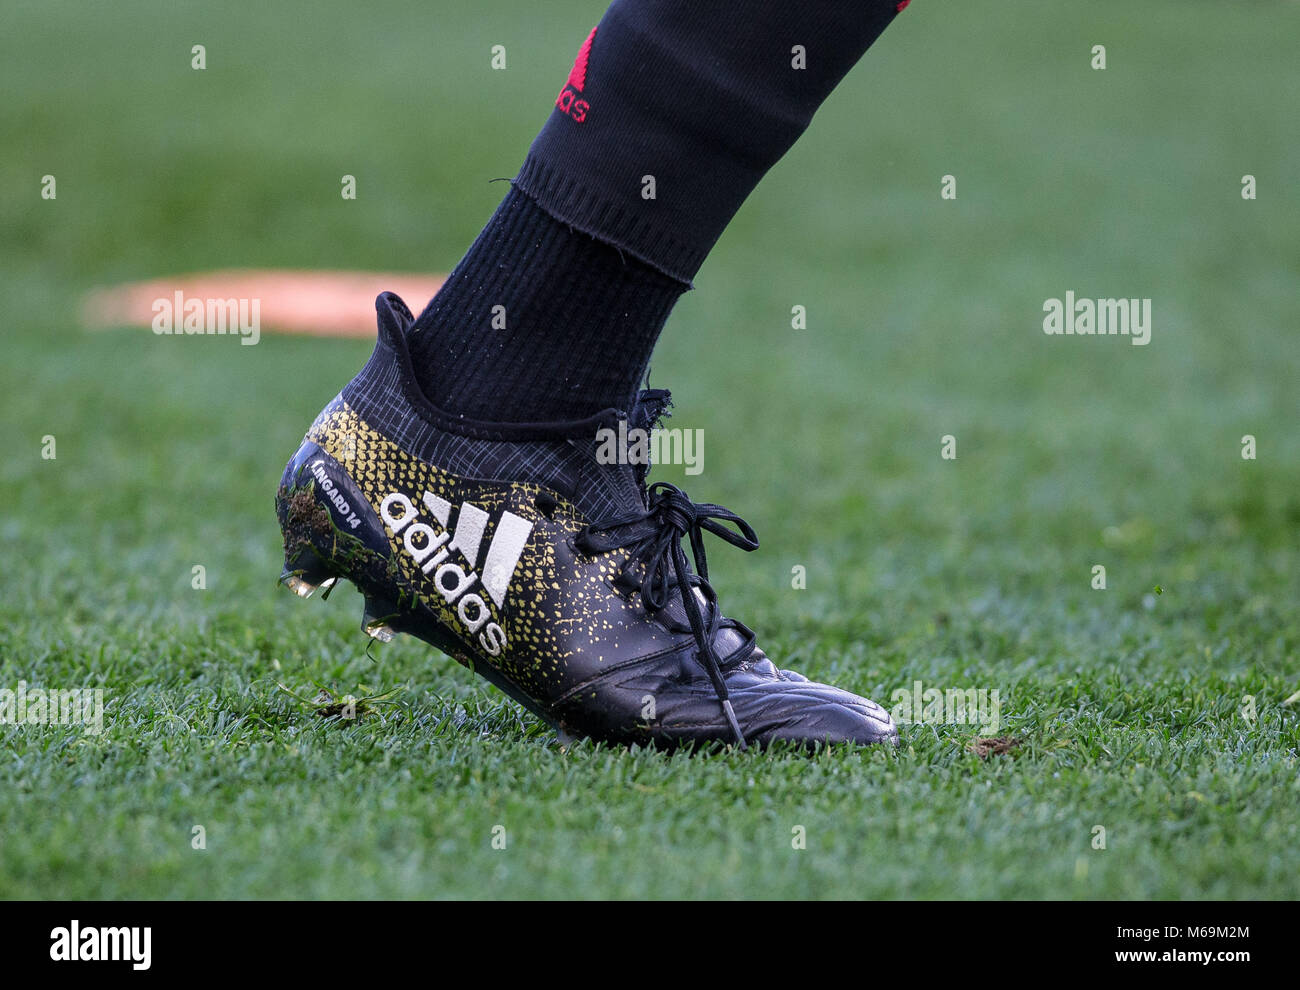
(514, 549)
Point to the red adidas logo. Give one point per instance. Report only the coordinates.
(568, 101)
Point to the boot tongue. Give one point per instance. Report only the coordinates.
(615, 472)
(652, 405)
(624, 485)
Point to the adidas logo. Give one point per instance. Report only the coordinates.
(431, 551)
(569, 100)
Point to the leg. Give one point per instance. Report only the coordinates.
(462, 480)
(672, 113)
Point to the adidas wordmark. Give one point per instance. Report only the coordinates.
(431, 551)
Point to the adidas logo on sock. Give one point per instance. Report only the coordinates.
(431, 551)
(569, 101)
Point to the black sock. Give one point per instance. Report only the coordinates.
(539, 322)
(673, 111)
(692, 102)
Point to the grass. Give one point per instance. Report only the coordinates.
(924, 320)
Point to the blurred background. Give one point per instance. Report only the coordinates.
(924, 319)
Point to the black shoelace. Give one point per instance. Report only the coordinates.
(654, 538)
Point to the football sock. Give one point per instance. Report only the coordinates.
(672, 113)
(539, 322)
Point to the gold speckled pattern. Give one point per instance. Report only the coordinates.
(557, 603)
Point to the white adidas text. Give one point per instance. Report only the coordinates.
(431, 551)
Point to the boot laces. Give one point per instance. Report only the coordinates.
(654, 538)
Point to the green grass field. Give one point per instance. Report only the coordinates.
(924, 320)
